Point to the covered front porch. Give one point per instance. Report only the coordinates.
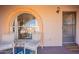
(39, 29)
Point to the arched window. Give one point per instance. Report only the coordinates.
(24, 25)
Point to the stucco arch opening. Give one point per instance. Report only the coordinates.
(14, 13)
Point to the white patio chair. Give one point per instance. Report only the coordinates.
(34, 43)
(7, 41)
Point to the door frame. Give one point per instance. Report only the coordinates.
(63, 25)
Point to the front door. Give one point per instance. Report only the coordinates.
(69, 27)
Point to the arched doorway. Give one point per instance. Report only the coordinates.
(16, 12)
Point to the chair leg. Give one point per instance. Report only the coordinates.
(35, 51)
(24, 50)
(13, 48)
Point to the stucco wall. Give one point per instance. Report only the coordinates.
(52, 22)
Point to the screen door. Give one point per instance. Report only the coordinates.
(69, 27)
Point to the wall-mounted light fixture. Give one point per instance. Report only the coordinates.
(58, 10)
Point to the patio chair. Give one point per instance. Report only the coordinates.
(34, 43)
(7, 41)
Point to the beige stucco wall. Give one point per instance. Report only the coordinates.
(52, 22)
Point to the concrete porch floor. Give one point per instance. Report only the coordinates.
(67, 49)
